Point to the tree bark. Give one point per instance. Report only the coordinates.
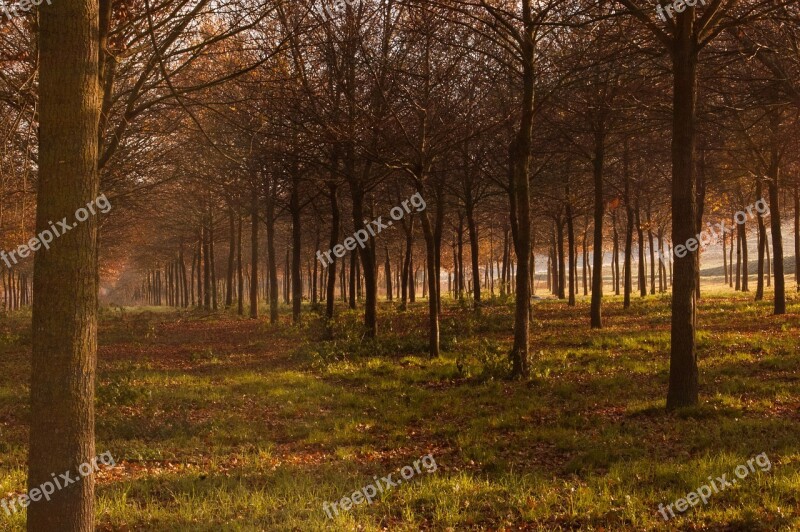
(745, 261)
(683, 373)
(641, 262)
(775, 225)
(272, 256)
(472, 227)
(254, 253)
(599, 212)
(797, 234)
(294, 207)
(571, 250)
(65, 277)
(239, 270)
(629, 214)
(214, 287)
(762, 242)
(231, 258)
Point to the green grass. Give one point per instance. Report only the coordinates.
(220, 423)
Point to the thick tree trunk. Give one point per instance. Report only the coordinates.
(520, 154)
(683, 373)
(65, 277)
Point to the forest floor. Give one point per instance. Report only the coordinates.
(222, 423)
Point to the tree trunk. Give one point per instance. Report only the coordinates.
(254, 253)
(775, 226)
(683, 373)
(762, 241)
(725, 255)
(206, 269)
(472, 227)
(599, 212)
(239, 271)
(640, 241)
(407, 263)
(738, 258)
(652, 253)
(65, 277)
(231, 258)
(767, 262)
(184, 280)
(618, 277)
(562, 264)
(745, 262)
(214, 287)
(272, 255)
(294, 207)
(629, 213)
(571, 251)
(797, 234)
(388, 268)
(433, 307)
(504, 273)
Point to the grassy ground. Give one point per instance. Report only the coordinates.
(220, 423)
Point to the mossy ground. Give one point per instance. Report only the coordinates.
(221, 423)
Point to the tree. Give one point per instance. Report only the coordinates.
(684, 38)
(66, 276)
